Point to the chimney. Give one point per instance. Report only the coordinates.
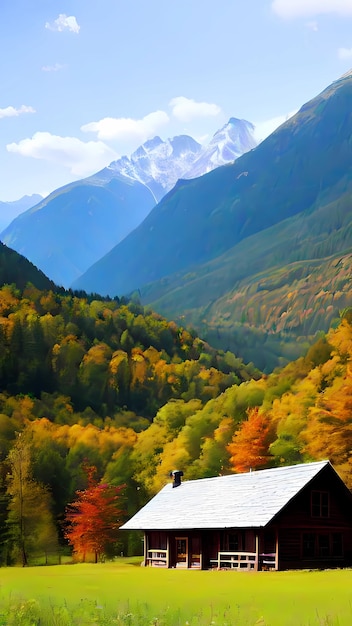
(176, 474)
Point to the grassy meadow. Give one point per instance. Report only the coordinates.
(122, 593)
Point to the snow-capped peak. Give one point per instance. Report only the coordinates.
(228, 143)
(159, 164)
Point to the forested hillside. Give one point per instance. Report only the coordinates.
(116, 386)
(14, 268)
(105, 355)
(80, 378)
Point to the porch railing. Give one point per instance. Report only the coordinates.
(243, 560)
(225, 560)
(157, 558)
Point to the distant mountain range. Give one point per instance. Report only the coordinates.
(10, 210)
(257, 252)
(76, 225)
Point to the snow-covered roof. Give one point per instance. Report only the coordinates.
(238, 501)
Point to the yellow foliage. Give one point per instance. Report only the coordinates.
(8, 301)
(117, 358)
(341, 339)
(98, 354)
(152, 355)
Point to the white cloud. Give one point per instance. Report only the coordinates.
(307, 8)
(128, 129)
(52, 68)
(64, 22)
(344, 53)
(186, 109)
(82, 158)
(312, 26)
(265, 128)
(13, 112)
(131, 133)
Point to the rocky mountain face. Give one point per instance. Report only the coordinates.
(76, 225)
(157, 164)
(252, 245)
(10, 210)
(229, 143)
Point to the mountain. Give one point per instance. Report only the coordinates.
(157, 164)
(229, 143)
(78, 224)
(15, 269)
(75, 225)
(160, 164)
(10, 210)
(276, 218)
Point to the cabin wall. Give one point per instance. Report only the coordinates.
(315, 529)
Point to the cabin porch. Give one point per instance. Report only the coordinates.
(220, 549)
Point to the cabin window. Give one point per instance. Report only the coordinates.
(322, 545)
(308, 547)
(320, 504)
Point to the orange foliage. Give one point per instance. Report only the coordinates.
(94, 518)
(249, 446)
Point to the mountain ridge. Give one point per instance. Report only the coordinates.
(11, 209)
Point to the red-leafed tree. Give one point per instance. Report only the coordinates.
(250, 444)
(92, 521)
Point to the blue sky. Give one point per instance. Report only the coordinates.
(85, 81)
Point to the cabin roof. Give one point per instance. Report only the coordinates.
(248, 500)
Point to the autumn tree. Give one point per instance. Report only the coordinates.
(93, 519)
(249, 445)
(328, 433)
(30, 520)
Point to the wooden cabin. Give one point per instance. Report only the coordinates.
(283, 518)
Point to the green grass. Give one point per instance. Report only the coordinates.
(119, 593)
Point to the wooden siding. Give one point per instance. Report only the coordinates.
(297, 520)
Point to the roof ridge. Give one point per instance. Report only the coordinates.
(258, 471)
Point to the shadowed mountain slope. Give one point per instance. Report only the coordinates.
(78, 223)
